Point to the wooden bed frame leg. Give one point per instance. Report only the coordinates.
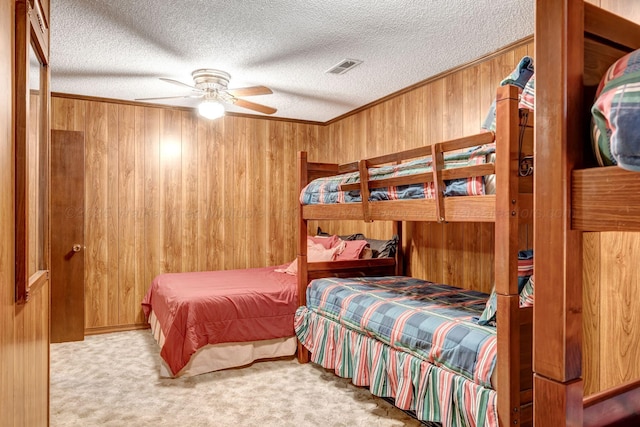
(303, 353)
(567, 402)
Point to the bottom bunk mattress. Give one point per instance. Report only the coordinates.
(194, 310)
(408, 339)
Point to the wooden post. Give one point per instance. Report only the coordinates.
(303, 279)
(437, 166)
(559, 125)
(363, 168)
(506, 256)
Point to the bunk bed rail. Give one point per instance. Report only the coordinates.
(602, 199)
(610, 28)
(480, 208)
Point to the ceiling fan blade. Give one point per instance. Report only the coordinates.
(168, 97)
(253, 106)
(179, 83)
(250, 91)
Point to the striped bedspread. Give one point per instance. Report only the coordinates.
(427, 320)
(327, 190)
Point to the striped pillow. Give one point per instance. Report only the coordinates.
(615, 124)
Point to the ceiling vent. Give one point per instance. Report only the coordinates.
(344, 66)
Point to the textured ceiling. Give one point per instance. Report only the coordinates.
(119, 48)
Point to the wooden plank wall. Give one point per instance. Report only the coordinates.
(24, 330)
(169, 192)
(611, 284)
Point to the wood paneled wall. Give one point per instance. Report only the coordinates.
(24, 330)
(169, 192)
(611, 280)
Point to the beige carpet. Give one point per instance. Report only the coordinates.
(112, 380)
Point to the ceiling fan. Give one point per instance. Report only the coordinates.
(211, 86)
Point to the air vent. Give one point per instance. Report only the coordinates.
(344, 66)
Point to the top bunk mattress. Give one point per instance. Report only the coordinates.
(434, 322)
(327, 190)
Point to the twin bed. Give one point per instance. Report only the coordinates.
(211, 320)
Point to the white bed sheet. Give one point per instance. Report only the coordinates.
(225, 355)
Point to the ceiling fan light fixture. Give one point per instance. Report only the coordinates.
(211, 109)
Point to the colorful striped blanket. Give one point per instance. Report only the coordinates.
(427, 320)
(327, 190)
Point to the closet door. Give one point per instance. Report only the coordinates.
(67, 236)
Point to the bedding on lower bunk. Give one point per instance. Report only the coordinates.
(198, 309)
(408, 339)
(327, 190)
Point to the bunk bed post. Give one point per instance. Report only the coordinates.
(438, 181)
(363, 169)
(506, 256)
(303, 279)
(559, 53)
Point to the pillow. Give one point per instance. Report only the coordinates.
(615, 123)
(326, 241)
(379, 248)
(316, 252)
(367, 253)
(353, 249)
(519, 77)
(384, 248)
(525, 271)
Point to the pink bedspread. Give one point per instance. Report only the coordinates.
(212, 307)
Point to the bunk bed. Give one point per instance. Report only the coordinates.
(507, 208)
(575, 44)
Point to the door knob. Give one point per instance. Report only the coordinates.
(77, 247)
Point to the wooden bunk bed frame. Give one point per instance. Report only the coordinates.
(510, 206)
(575, 43)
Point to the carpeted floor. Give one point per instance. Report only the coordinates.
(112, 380)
